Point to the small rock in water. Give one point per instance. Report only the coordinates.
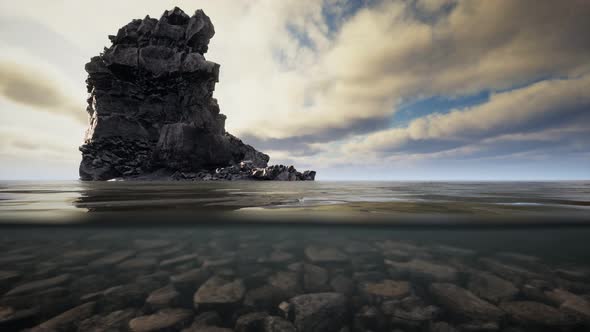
(376, 292)
(491, 288)
(114, 321)
(251, 322)
(112, 259)
(423, 270)
(315, 278)
(164, 297)
(463, 303)
(40, 285)
(536, 314)
(324, 255)
(319, 312)
(277, 324)
(571, 303)
(163, 320)
(219, 293)
(68, 319)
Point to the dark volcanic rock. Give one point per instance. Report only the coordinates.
(152, 111)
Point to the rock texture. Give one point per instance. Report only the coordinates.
(152, 111)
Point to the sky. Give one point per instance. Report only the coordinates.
(355, 89)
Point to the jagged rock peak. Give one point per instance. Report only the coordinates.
(151, 105)
(174, 28)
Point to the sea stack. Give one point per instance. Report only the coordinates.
(152, 111)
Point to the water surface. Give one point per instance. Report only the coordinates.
(73, 200)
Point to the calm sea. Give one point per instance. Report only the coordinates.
(387, 202)
(353, 256)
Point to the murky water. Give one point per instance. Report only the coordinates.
(518, 260)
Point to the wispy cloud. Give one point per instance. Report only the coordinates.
(547, 104)
(38, 90)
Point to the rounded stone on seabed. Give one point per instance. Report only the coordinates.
(285, 280)
(114, 321)
(219, 293)
(40, 285)
(68, 319)
(319, 312)
(164, 297)
(491, 287)
(318, 254)
(571, 303)
(315, 278)
(423, 270)
(463, 303)
(250, 322)
(530, 313)
(387, 289)
(161, 320)
(190, 280)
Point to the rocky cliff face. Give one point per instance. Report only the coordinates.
(152, 109)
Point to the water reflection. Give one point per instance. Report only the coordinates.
(62, 200)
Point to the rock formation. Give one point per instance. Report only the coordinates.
(152, 111)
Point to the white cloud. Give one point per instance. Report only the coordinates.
(542, 105)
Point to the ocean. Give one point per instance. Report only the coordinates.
(295, 256)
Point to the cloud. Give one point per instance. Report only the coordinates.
(22, 142)
(38, 90)
(515, 115)
(388, 54)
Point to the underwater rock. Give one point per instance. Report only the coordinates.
(491, 288)
(251, 322)
(68, 319)
(114, 321)
(39, 285)
(163, 320)
(219, 293)
(536, 314)
(422, 270)
(277, 324)
(151, 109)
(464, 304)
(318, 312)
(387, 289)
(164, 297)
